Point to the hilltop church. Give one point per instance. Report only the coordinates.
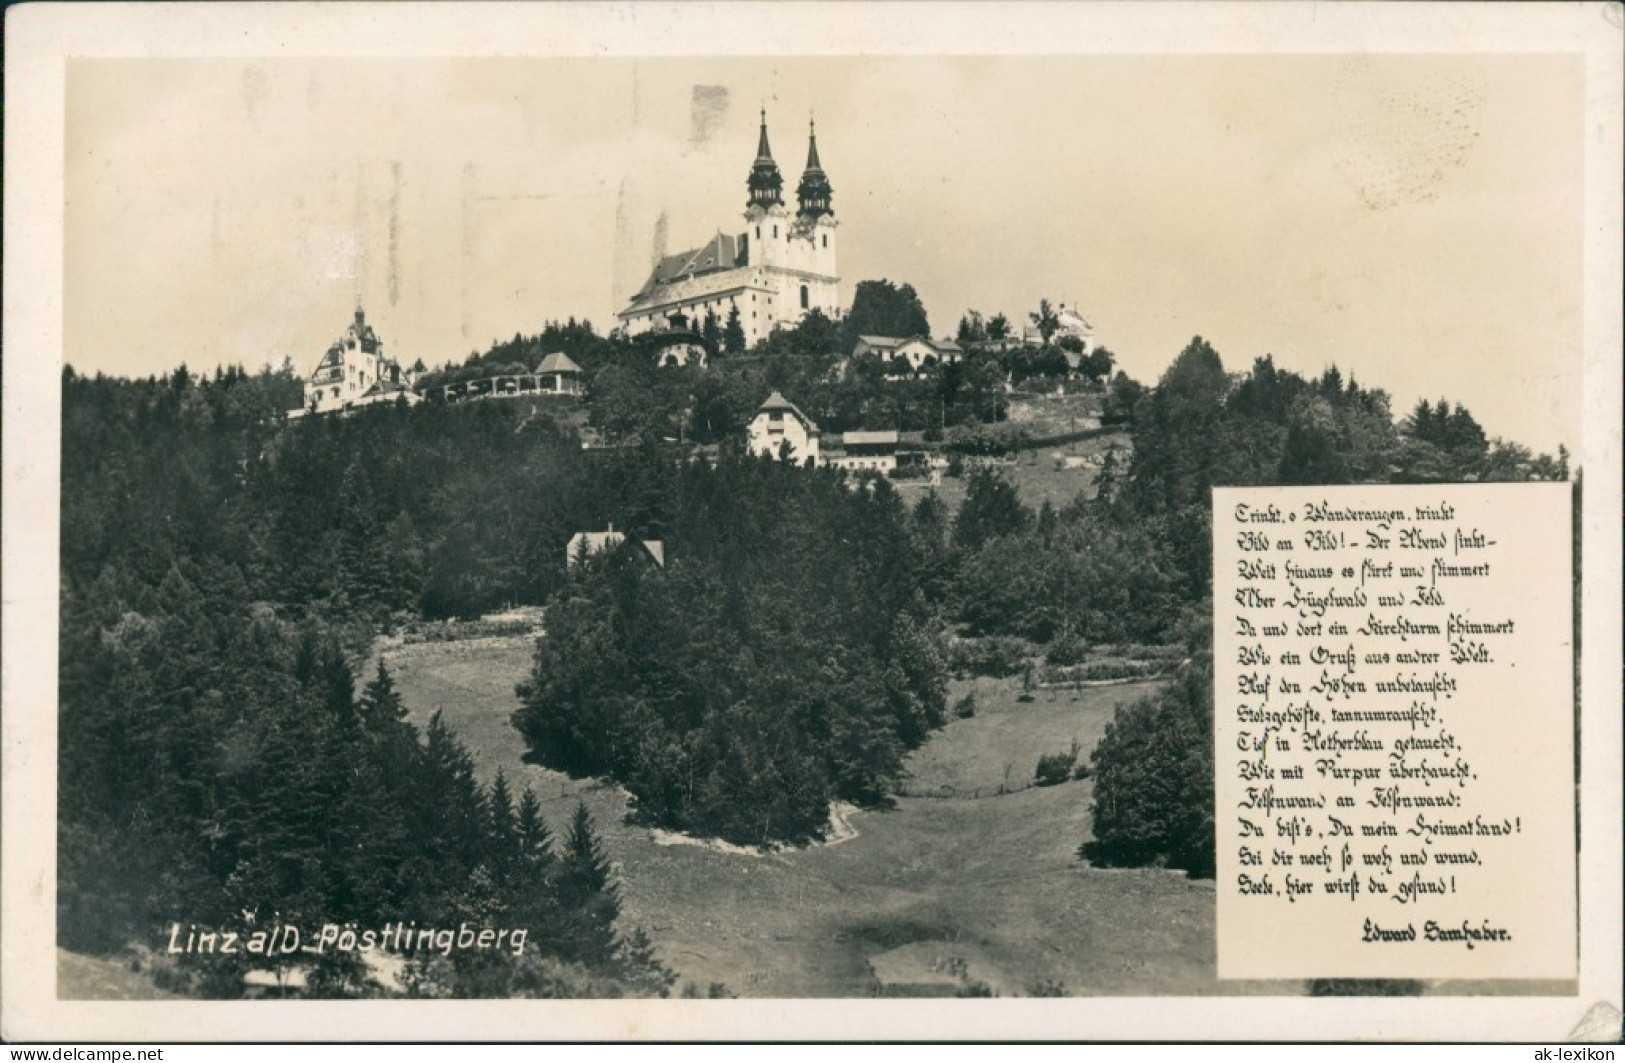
(780, 267)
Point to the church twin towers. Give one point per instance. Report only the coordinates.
(780, 267)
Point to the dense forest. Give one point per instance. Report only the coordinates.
(221, 576)
(784, 656)
(224, 571)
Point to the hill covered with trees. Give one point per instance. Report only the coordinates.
(222, 572)
(218, 768)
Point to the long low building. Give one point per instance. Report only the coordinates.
(916, 352)
(878, 451)
(557, 374)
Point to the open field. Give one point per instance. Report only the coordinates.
(1001, 744)
(928, 894)
(1038, 475)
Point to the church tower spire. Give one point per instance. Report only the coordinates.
(814, 191)
(764, 182)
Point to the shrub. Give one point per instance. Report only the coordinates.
(968, 986)
(1153, 800)
(965, 707)
(995, 657)
(1067, 649)
(1106, 670)
(1056, 768)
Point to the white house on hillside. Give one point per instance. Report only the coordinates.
(778, 425)
(583, 545)
(355, 372)
(1069, 323)
(916, 351)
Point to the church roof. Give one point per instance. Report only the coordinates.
(814, 192)
(558, 362)
(721, 252)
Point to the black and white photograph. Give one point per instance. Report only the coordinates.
(699, 506)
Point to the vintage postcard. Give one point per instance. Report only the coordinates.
(774, 521)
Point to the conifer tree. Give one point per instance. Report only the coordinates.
(733, 333)
(531, 899)
(381, 708)
(534, 840)
(590, 900)
(501, 835)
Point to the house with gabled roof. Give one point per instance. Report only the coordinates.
(586, 545)
(916, 352)
(781, 430)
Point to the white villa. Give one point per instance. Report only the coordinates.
(355, 372)
(780, 429)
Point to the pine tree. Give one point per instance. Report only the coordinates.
(590, 900)
(381, 707)
(534, 840)
(640, 967)
(733, 333)
(337, 685)
(531, 900)
(450, 809)
(502, 835)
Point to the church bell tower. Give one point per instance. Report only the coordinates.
(765, 183)
(814, 192)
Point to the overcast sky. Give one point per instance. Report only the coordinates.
(1415, 220)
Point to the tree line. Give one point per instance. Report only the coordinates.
(222, 573)
(783, 658)
(1201, 427)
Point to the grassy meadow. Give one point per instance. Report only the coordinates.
(928, 897)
